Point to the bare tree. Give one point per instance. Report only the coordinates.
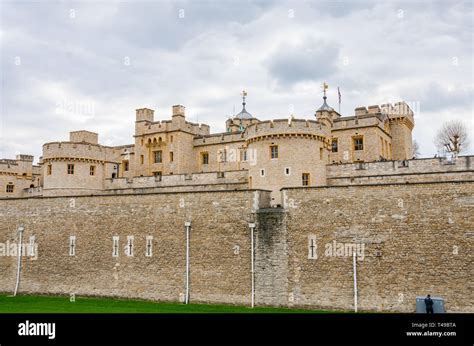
(415, 148)
(453, 137)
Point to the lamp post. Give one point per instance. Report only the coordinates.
(20, 232)
(354, 266)
(187, 225)
(252, 260)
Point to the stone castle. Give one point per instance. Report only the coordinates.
(251, 154)
(299, 184)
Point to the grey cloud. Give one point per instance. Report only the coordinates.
(190, 61)
(309, 61)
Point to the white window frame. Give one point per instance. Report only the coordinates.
(130, 242)
(312, 253)
(115, 246)
(149, 246)
(72, 245)
(31, 246)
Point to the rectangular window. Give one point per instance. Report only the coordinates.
(49, 170)
(149, 246)
(274, 151)
(287, 171)
(334, 145)
(157, 156)
(130, 245)
(358, 143)
(157, 174)
(72, 245)
(125, 166)
(205, 158)
(141, 159)
(305, 178)
(171, 139)
(10, 188)
(115, 246)
(31, 246)
(70, 168)
(171, 156)
(262, 172)
(321, 153)
(92, 170)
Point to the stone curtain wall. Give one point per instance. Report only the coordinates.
(219, 251)
(418, 240)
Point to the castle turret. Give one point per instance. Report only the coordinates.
(145, 114)
(326, 114)
(239, 122)
(401, 126)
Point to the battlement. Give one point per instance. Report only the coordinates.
(80, 150)
(219, 138)
(402, 171)
(8, 162)
(145, 114)
(397, 109)
(179, 110)
(177, 123)
(229, 180)
(22, 157)
(286, 126)
(84, 136)
(357, 121)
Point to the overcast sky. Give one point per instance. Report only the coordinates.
(88, 65)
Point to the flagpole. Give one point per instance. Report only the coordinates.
(339, 97)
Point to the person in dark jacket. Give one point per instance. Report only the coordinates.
(429, 304)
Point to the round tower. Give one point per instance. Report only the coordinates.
(287, 152)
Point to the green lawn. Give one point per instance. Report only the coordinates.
(61, 304)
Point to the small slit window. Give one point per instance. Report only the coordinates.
(115, 246)
(149, 246)
(72, 245)
(130, 246)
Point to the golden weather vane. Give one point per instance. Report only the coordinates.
(244, 94)
(325, 87)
